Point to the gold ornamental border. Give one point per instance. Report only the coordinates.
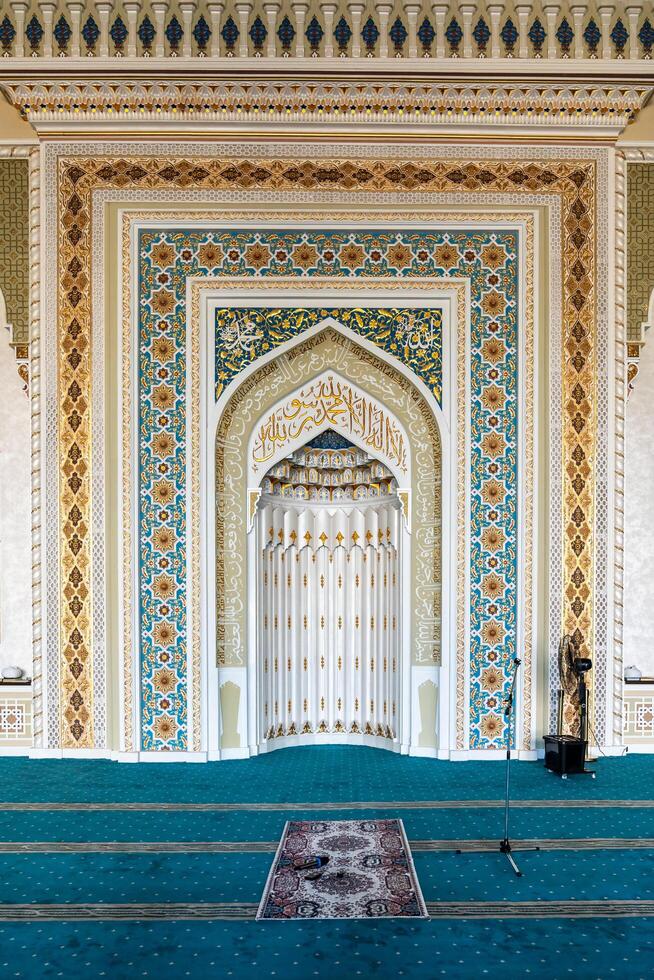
(200, 285)
(572, 180)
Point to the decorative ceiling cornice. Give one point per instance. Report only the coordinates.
(382, 104)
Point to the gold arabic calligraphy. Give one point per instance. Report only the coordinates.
(335, 403)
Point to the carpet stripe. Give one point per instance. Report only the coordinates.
(347, 805)
(269, 847)
(247, 910)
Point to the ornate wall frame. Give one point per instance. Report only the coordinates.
(422, 284)
(571, 178)
(252, 284)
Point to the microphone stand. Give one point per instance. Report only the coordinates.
(505, 844)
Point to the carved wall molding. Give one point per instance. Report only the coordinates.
(626, 372)
(347, 103)
(30, 374)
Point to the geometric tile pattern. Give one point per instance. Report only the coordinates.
(166, 260)
(570, 178)
(640, 244)
(16, 718)
(14, 245)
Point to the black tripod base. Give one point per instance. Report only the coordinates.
(505, 848)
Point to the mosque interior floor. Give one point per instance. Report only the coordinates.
(151, 870)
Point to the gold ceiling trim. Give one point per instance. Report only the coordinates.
(552, 106)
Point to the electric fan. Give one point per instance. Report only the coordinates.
(567, 753)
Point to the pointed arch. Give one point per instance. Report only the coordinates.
(330, 349)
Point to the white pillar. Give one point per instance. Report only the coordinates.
(271, 11)
(75, 9)
(300, 12)
(47, 8)
(384, 11)
(104, 8)
(187, 9)
(467, 10)
(633, 12)
(132, 8)
(551, 11)
(606, 12)
(577, 11)
(523, 10)
(19, 8)
(215, 13)
(159, 9)
(412, 10)
(439, 11)
(495, 11)
(356, 12)
(243, 11)
(328, 11)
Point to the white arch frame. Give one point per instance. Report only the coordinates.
(256, 740)
(445, 417)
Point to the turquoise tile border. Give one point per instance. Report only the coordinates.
(166, 259)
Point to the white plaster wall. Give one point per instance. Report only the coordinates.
(639, 519)
(15, 547)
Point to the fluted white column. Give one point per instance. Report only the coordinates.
(495, 11)
(326, 620)
(606, 12)
(619, 458)
(35, 394)
(187, 9)
(523, 11)
(215, 14)
(132, 8)
(356, 13)
(159, 10)
(439, 11)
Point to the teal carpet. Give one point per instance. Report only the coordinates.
(315, 774)
(93, 885)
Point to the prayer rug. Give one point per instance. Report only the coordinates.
(370, 873)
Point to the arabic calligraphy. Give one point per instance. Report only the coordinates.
(418, 333)
(413, 335)
(330, 401)
(240, 333)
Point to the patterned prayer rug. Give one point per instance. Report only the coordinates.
(370, 873)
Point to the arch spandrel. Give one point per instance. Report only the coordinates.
(329, 401)
(259, 393)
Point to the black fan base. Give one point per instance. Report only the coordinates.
(565, 755)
